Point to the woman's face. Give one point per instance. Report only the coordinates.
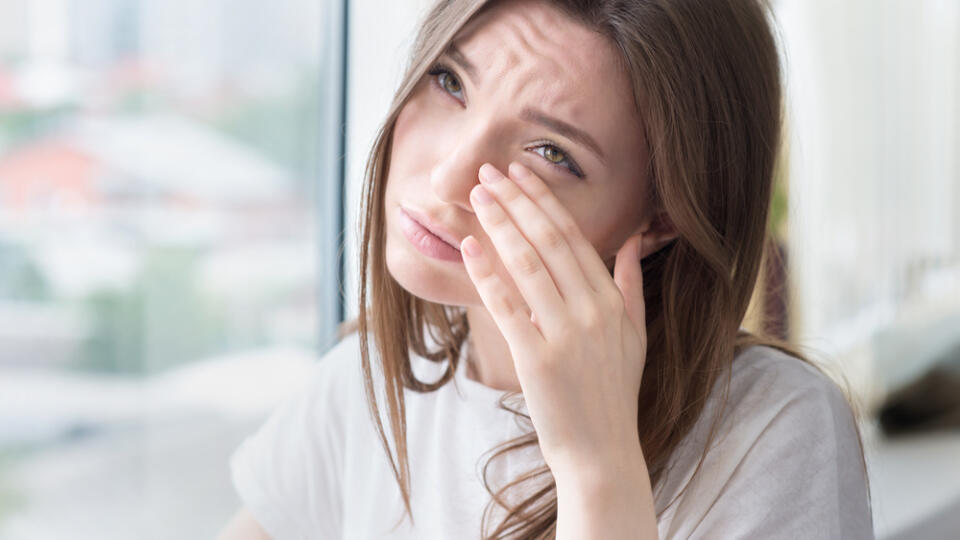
(513, 67)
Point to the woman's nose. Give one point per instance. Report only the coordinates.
(456, 171)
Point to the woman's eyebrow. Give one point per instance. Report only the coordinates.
(531, 114)
(567, 130)
(454, 53)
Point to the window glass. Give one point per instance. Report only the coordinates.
(160, 166)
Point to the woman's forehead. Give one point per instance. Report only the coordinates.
(521, 58)
(535, 31)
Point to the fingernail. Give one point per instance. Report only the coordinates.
(516, 170)
(481, 195)
(489, 173)
(472, 247)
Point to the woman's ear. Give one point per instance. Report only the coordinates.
(658, 232)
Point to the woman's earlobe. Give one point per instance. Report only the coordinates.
(659, 245)
(658, 234)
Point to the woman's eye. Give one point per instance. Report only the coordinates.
(557, 156)
(446, 80)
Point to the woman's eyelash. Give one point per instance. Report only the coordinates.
(571, 167)
(440, 69)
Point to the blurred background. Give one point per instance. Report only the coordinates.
(179, 186)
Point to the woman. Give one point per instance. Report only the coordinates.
(566, 206)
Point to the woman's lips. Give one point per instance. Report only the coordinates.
(425, 241)
(433, 226)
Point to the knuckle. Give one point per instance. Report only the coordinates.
(564, 330)
(497, 219)
(614, 301)
(549, 237)
(505, 306)
(568, 228)
(526, 263)
(486, 276)
(511, 195)
(591, 318)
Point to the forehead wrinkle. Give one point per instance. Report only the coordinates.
(530, 28)
(524, 29)
(525, 83)
(520, 30)
(530, 68)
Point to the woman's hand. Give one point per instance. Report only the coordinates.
(577, 337)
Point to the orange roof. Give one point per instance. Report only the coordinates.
(36, 170)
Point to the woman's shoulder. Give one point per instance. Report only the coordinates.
(336, 372)
(344, 350)
(775, 396)
(776, 438)
(342, 363)
(766, 373)
(784, 452)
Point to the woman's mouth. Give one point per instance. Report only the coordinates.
(425, 241)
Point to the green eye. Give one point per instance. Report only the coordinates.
(557, 157)
(553, 154)
(447, 81)
(450, 83)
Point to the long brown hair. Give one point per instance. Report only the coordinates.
(706, 80)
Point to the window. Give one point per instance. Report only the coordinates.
(170, 222)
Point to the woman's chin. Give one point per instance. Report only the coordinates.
(421, 277)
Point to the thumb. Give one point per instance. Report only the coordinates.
(628, 275)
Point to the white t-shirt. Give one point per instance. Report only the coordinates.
(785, 464)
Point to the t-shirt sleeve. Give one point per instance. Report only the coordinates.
(286, 473)
(794, 472)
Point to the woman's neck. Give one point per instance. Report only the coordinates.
(488, 353)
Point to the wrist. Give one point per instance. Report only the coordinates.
(604, 476)
(609, 498)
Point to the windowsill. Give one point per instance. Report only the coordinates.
(40, 406)
(914, 484)
(110, 455)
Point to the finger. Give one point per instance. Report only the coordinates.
(594, 270)
(520, 259)
(628, 275)
(540, 231)
(508, 311)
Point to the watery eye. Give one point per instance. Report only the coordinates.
(558, 158)
(449, 82)
(445, 79)
(553, 154)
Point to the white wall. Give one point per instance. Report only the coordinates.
(874, 191)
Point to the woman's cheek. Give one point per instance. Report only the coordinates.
(403, 124)
(418, 128)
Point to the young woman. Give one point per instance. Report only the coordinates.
(565, 210)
